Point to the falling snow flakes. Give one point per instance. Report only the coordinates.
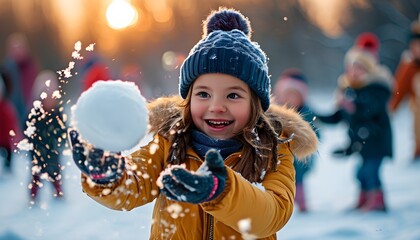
(67, 152)
(106, 191)
(25, 145)
(37, 104)
(43, 95)
(244, 227)
(76, 53)
(167, 171)
(128, 182)
(153, 148)
(175, 210)
(90, 47)
(30, 129)
(168, 229)
(66, 73)
(12, 133)
(36, 169)
(56, 94)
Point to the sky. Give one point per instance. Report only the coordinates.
(330, 186)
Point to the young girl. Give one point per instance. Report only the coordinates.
(221, 163)
(291, 89)
(363, 93)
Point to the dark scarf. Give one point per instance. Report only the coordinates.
(201, 143)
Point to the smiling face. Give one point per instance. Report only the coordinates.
(220, 105)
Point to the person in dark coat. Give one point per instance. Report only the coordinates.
(47, 133)
(362, 97)
(291, 90)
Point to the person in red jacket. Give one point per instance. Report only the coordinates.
(9, 121)
(407, 79)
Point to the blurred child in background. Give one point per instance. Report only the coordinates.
(362, 102)
(9, 121)
(407, 79)
(291, 89)
(46, 130)
(23, 68)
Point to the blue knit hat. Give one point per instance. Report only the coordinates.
(226, 47)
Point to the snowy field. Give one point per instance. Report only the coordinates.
(331, 190)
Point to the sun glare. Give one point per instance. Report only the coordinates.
(121, 14)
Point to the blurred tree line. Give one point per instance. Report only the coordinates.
(309, 34)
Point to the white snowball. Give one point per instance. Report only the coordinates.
(111, 115)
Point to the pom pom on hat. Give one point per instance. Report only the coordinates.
(226, 20)
(226, 48)
(368, 42)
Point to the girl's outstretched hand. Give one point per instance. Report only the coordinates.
(204, 185)
(101, 168)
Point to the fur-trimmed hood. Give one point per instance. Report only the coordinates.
(380, 74)
(304, 139)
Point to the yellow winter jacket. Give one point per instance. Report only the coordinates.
(266, 208)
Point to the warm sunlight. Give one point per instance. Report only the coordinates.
(331, 15)
(121, 14)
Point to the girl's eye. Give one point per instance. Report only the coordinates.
(233, 96)
(202, 94)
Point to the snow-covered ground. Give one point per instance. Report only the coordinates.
(331, 191)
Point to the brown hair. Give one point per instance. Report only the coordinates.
(259, 137)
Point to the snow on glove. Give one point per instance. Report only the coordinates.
(101, 168)
(179, 184)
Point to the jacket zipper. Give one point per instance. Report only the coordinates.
(210, 227)
(210, 218)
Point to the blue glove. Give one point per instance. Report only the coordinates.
(102, 169)
(201, 186)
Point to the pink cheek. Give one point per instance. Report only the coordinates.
(243, 119)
